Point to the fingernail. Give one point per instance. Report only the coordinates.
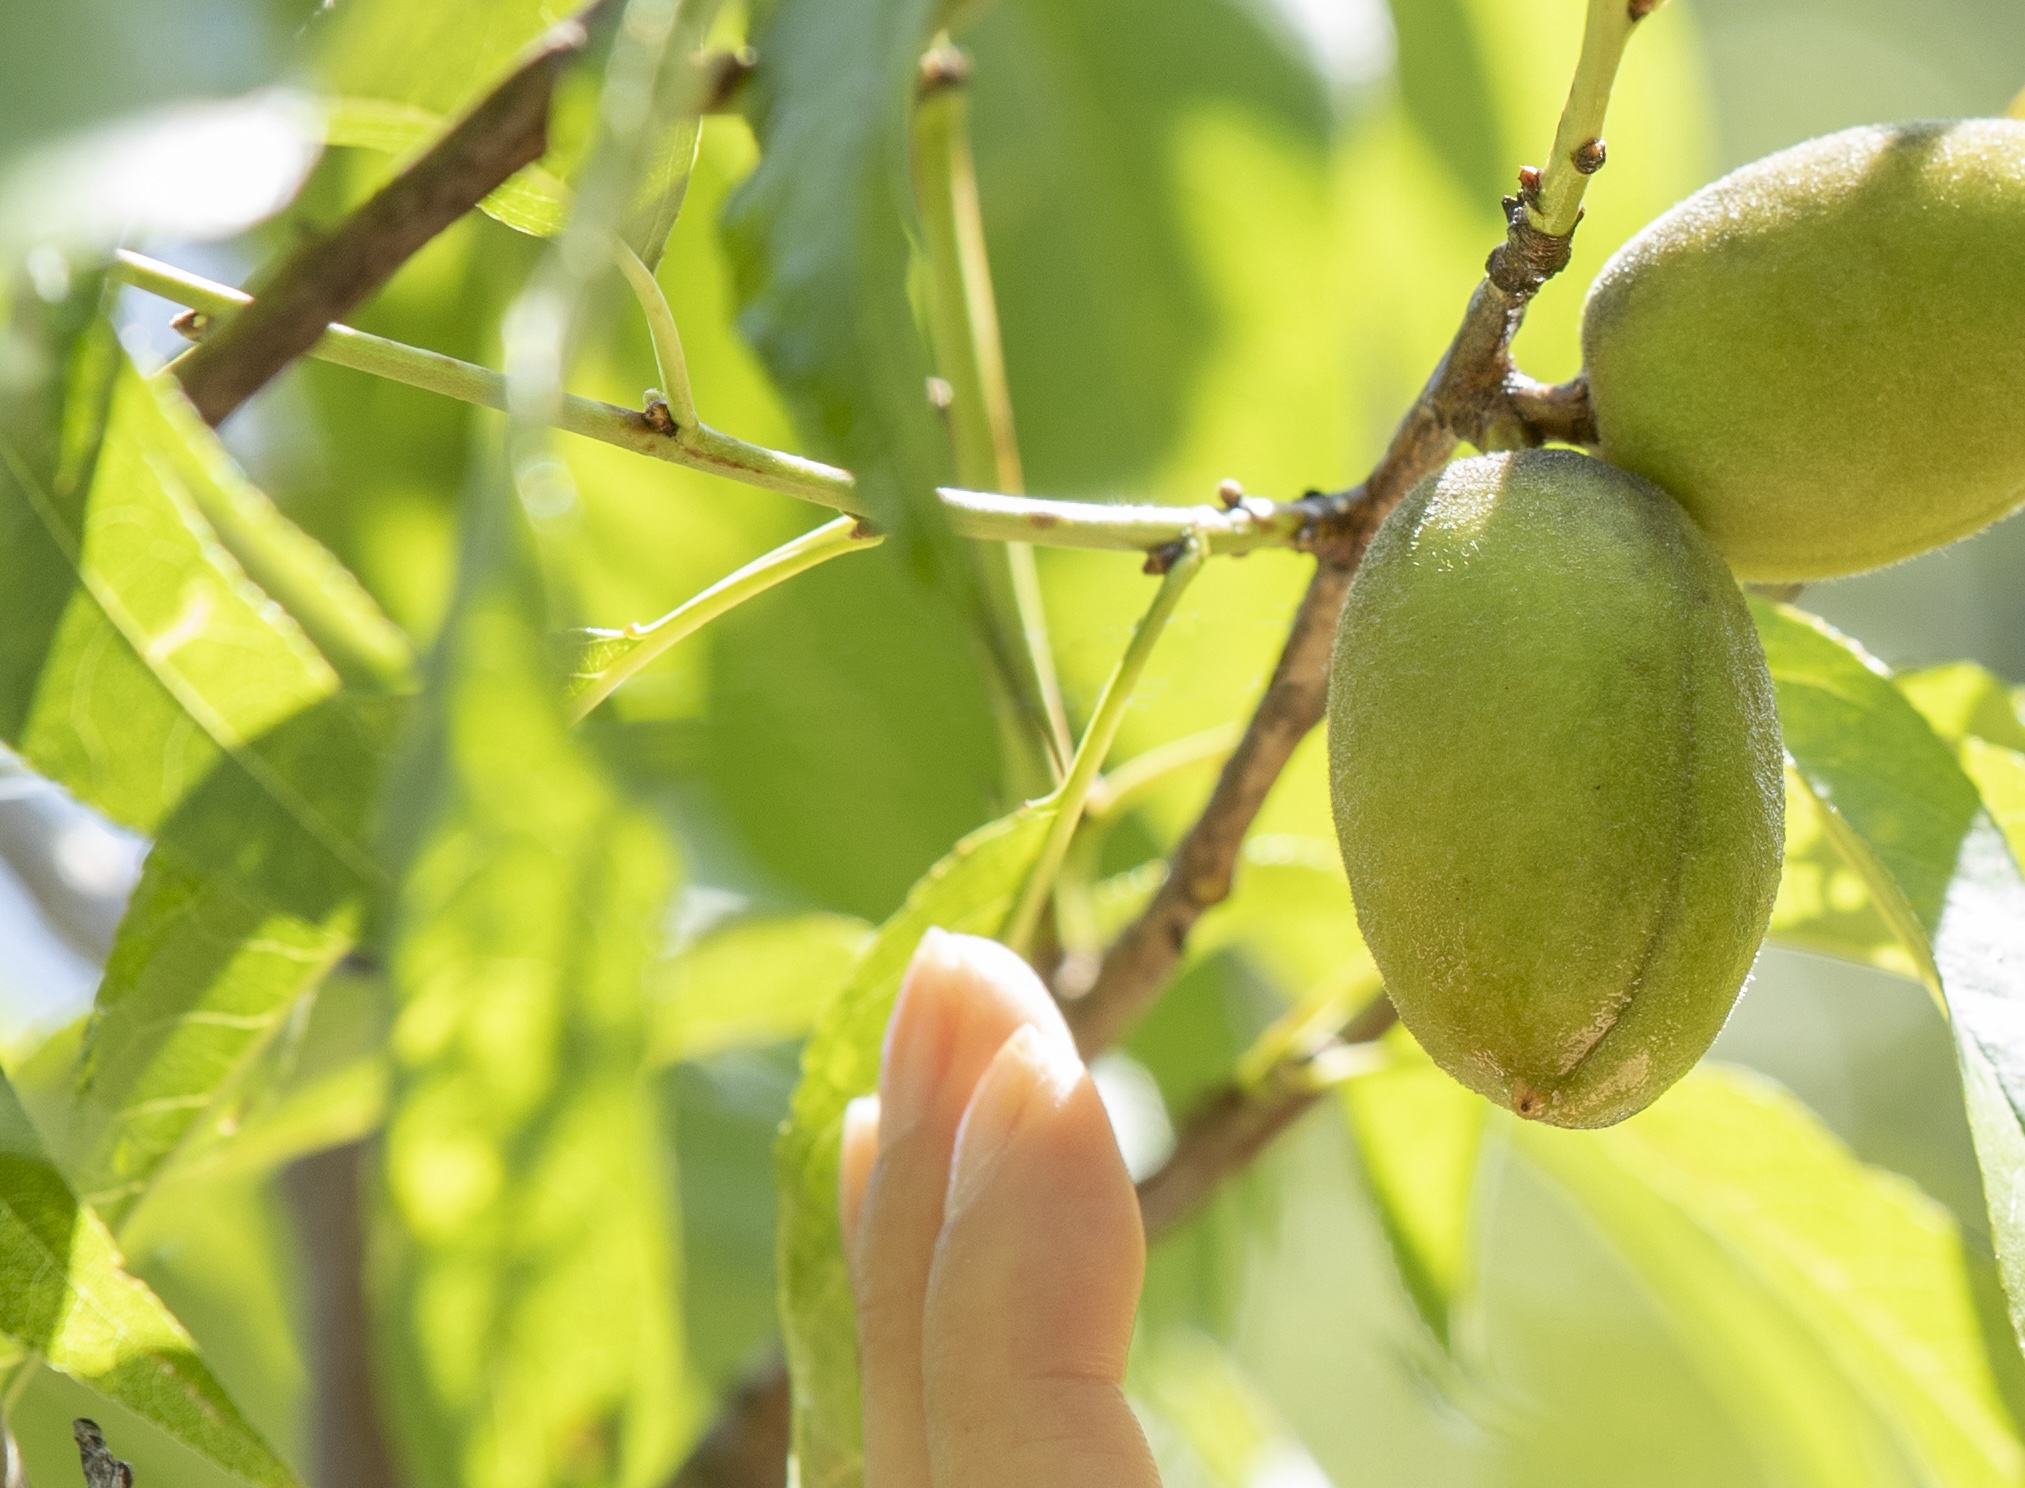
(1031, 1066)
(916, 1051)
(854, 1166)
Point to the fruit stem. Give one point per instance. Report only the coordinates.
(1068, 798)
(1555, 205)
(817, 546)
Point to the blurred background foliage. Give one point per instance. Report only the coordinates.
(1229, 238)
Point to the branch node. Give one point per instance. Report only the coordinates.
(190, 325)
(943, 67)
(1528, 257)
(1231, 494)
(1589, 156)
(1159, 560)
(655, 411)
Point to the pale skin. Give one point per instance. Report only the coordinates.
(994, 1238)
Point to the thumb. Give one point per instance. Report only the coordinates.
(1034, 1284)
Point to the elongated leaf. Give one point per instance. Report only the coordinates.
(238, 911)
(753, 982)
(1824, 904)
(1939, 868)
(526, 1291)
(1828, 1305)
(147, 633)
(820, 237)
(146, 672)
(971, 890)
(65, 1294)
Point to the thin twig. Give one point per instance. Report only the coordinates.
(1243, 527)
(796, 556)
(334, 273)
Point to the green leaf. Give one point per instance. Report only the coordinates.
(1824, 904)
(65, 1294)
(239, 911)
(819, 233)
(1828, 1305)
(1936, 866)
(1418, 1137)
(142, 657)
(756, 981)
(147, 673)
(525, 1282)
(972, 890)
(1964, 701)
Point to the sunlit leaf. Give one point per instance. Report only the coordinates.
(146, 630)
(65, 1293)
(238, 911)
(972, 890)
(752, 982)
(150, 676)
(1824, 905)
(1962, 700)
(1828, 1305)
(1936, 865)
(525, 1284)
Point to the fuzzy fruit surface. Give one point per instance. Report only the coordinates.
(1818, 355)
(1556, 773)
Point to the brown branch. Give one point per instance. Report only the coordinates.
(1475, 394)
(747, 1445)
(331, 275)
(348, 1448)
(1230, 1129)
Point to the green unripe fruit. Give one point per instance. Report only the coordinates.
(1819, 356)
(1556, 772)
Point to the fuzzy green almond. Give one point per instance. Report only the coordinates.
(1822, 355)
(1556, 771)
